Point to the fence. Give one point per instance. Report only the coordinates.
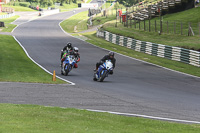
(164, 26)
(7, 15)
(173, 53)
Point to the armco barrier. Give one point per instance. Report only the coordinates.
(173, 53)
(7, 15)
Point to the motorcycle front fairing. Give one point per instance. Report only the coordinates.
(100, 70)
(69, 62)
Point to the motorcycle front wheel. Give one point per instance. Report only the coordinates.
(102, 77)
(66, 69)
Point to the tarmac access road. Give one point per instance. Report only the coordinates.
(136, 87)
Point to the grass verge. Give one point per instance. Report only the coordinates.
(174, 65)
(7, 22)
(19, 8)
(189, 42)
(34, 118)
(79, 20)
(67, 7)
(17, 67)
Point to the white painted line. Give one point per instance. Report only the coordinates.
(146, 116)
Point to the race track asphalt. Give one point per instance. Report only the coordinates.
(136, 87)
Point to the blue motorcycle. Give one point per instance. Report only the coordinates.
(68, 64)
(103, 71)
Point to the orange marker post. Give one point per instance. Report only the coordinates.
(54, 76)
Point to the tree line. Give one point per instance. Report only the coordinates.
(45, 3)
(128, 2)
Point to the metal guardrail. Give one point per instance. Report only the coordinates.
(7, 15)
(191, 57)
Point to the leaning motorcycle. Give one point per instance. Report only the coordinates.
(68, 64)
(103, 71)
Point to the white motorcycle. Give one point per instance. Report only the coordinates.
(103, 71)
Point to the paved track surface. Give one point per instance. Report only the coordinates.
(136, 87)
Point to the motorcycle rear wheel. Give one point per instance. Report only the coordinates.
(95, 79)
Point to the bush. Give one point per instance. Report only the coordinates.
(25, 4)
(16, 4)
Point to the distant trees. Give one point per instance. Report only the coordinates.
(51, 2)
(128, 2)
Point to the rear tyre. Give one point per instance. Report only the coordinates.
(62, 72)
(94, 79)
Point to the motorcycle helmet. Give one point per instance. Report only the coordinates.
(111, 54)
(75, 49)
(69, 45)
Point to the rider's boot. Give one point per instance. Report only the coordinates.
(75, 65)
(95, 70)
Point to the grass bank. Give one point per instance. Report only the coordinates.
(189, 42)
(67, 7)
(34, 118)
(17, 67)
(174, 65)
(7, 22)
(19, 8)
(76, 23)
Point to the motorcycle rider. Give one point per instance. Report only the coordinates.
(110, 56)
(68, 48)
(77, 56)
(71, 52)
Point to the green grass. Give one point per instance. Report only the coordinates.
(174, 21)
(19, 8)
(79, 19)
(34, 118)
(2, 13)
(190, 42)
(67, 7)
(101, 20)
(88, 1)
(174, 65)
(8, 27)
(17, 67)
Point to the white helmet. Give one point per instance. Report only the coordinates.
(76, 49)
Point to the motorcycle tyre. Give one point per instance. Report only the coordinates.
(62, 70)
(102, 77)
(95, 79)
(66, 71)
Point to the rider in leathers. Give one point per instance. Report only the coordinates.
(110, 56)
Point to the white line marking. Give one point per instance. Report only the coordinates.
(146, 116)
